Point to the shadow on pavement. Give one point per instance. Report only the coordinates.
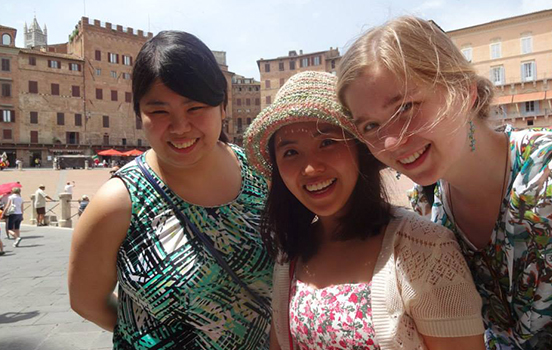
(13, 317)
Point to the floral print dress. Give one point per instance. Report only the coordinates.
(513, 273)
(331, 318)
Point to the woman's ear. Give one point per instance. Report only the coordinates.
(473, 94)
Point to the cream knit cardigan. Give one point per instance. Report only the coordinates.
(421, 285)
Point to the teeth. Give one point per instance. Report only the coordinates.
(181, 145)
(319, 186)
(413, 157)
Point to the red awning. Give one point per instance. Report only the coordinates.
(548, 95)
(110, 152)
(132, 153)
(501, 100)
(534, 96)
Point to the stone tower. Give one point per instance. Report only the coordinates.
(34, 36)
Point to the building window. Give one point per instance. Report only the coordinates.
(139, 142)
(6, 64)
(75, 91)
(72, 138)
(333, 64)
(127, 60)
(128, 97)
(60, 119)
(6, 90)
(113, 57)
(317, 60)
(528, 71)
(123, 142)
(268, 100)
(114, 96)
(32, 61)
(526, 44)
(8, 116)
(126, 76)
(467, 52)
(282, 81)
(496, 50)
(281, 66)
(138, 123)
(239, 110)
(248, 121)
(257, 102)
(34, 136)
(6, 39)
(33, 87)
(78, 119)
(248, 102)
(240, 125)
(99, 94)
(74, 67)
(267, 84)
(34, 117)
(530, 107)
(55, 89)
(238, 102)
(106, 139)
(530, 122)
(497, 75)
(305, 62)
(7, 133)
(105, 121)
(54, 64)
(113, 74)
(291, 65)
(98, 71)
(267, 67)
(98, 55)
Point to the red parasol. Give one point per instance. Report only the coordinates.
(132, 153)
(110, 152)
(7, 187)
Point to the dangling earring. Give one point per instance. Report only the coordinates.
(471, 136)
(398, 175)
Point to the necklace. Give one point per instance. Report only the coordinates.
(506, 162)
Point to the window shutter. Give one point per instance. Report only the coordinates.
(117, 58)
(79, 67)
(12, 116)
(130, 60)
(49, 64)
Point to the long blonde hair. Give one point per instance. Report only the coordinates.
(416, 50)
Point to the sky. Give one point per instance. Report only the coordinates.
(249, 30)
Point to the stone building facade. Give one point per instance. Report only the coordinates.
(516, 54)
(9, 85)
(246, 102)
(275, 72)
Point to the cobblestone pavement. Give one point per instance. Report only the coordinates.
(34, 307)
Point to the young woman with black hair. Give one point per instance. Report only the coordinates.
(355, 272)
(178, 228)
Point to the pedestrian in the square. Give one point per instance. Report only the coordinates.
(69, 187)
(14, 212)
(40, 205)
(177, 229)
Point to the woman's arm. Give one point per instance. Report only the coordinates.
(8, 204)
(475, 342)
(92, 262)
(273, 338)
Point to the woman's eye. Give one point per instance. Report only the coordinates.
(368, 127)
(196, 108)
(289, 153)
(406, 107)
(158, 112)
(327, 142)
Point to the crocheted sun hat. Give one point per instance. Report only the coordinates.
(306, 96)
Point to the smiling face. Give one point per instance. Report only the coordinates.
(403, 126)
(181, 131)
(317, 165)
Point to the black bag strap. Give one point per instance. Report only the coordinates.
(207, 243)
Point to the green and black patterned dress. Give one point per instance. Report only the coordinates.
(172, 293)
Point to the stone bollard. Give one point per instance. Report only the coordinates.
(33, 210)
(65, 199)
(86, 166)
(20, 166)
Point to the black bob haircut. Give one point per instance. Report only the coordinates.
(185, 65)
(286, 222)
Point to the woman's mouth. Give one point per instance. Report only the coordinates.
(321, 186)
(414, 157)
(183, 144)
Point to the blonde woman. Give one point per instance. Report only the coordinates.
(14, 207)
(422, 110)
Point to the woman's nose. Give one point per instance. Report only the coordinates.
(313, 167)
(180, 124)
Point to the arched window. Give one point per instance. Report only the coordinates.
(6, 39)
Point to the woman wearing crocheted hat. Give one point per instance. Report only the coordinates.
(354, 272)
(422, 109)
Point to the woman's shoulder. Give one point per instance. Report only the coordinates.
(530, 143)
(412, 227)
